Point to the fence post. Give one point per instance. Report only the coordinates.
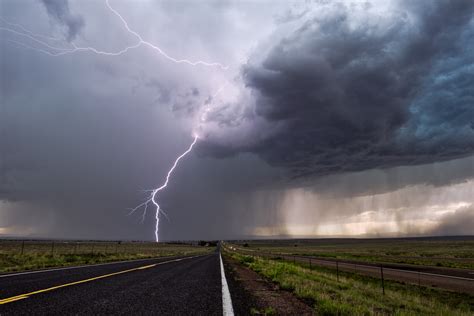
(22, 247)
(337, 270)
(419, 281)
(52, 248)
(381, 274)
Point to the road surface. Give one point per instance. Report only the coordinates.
(166, 286)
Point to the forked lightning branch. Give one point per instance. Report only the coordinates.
(49, 45)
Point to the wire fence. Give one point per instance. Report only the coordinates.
(448, 282)
(55, 247)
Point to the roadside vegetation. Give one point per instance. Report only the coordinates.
(32, 255)
(439, 252)
(355, 294)
(266, 311)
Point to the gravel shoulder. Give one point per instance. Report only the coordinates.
(252, 294)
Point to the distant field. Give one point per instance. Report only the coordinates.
(452, 252)
(30, 254)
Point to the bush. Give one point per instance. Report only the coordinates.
(247, 259)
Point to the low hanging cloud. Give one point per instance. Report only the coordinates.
(59, 11)
(461, 222)
(359, 86)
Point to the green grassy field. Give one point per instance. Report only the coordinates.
(29, 255)
(440, 252)
(355, 294)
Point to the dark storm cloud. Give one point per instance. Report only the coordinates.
(60, 12)
(377, 181)
(369, 92)
(82, 134)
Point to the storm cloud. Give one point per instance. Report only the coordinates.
(333, 118)
(59, 11)
(358, 86)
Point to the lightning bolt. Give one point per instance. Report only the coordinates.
(159, 50)
(70, 48)
(153, 195)
(152, 199)
(59, 51)
(155, 192)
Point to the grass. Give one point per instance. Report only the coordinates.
(45, 254)
(439, 252)
(357, 295)
(266, 311)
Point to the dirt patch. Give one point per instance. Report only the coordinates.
(253, 294)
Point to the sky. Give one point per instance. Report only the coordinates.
(314, 118)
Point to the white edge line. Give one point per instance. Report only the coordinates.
(94, 265)
(227, 308)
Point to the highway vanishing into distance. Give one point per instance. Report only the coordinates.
(170, 286)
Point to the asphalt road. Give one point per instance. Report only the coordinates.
(166, 286)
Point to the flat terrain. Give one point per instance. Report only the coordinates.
(187, 280)
(178, 286)
(449, 252)
(346, 293)
(20, 255)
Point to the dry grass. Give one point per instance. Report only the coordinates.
(440, 252)
(357, 295)
(29, 255)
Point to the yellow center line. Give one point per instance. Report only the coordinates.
(26, 295)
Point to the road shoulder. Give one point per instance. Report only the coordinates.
(254, 295)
